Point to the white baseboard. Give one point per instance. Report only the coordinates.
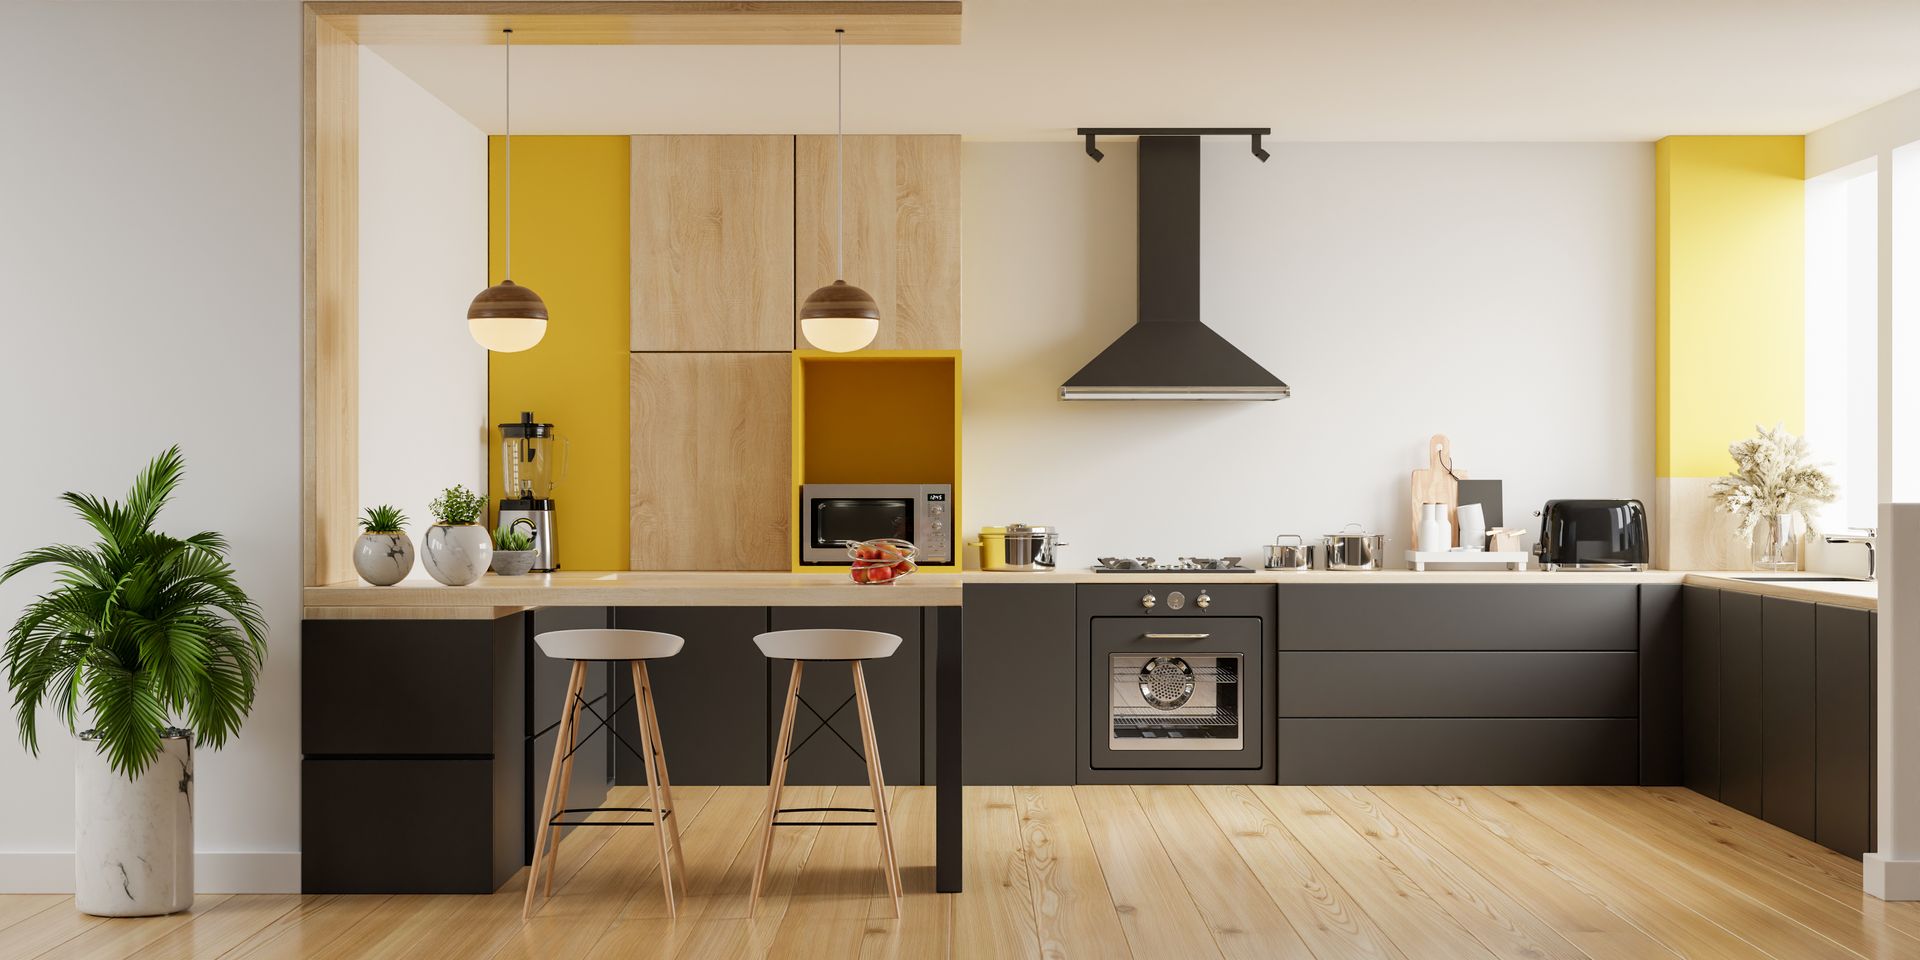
(1891, 879)
(212, 873)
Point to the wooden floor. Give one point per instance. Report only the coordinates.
(1148, 872)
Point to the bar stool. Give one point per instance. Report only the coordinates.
(634, 648)
(845, 646)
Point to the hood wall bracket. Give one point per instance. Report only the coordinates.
(1255, 132)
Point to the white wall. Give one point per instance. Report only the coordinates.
(150, 236)
(1501, 294)
(423, 256)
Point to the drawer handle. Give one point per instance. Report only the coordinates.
(1178, 636)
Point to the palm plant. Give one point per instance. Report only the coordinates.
(146, 627)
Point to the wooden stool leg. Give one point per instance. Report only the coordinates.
(876, 781)
(561, 742)
(774, 784)
(566, 778)
(653, 791)
(643, 681)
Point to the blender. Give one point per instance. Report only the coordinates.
(528, 475)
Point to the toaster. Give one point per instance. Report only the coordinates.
(1592, 535)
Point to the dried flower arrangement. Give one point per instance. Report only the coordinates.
(1773, 477)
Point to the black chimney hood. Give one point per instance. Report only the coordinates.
(1169, 354)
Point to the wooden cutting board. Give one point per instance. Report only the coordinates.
(1434, 484)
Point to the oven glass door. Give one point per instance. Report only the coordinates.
(839, 519)
(1175, 701)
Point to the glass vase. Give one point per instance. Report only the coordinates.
(1777, 551)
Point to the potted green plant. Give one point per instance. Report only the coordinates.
(457, 549)
(143, 632)
(513, 552)
(383, 556)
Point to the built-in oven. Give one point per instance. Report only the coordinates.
(831, 514)
(1175, 681)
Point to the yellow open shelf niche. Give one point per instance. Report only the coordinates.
(876, 416)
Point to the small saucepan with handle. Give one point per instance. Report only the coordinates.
(1355, 549)
(1297, 555)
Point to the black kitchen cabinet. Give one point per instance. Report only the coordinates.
(1404, 616)
(1661, 627)
(712, 696)
(1742, 703)
(1700, 689)
(547, 696)
(894, 685)
(1844, 729)
(1787, 714)
(1018, 702)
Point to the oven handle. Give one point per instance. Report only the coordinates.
(1177, 636)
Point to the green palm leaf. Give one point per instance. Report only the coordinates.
(141, 629)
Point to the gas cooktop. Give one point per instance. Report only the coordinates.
(1182, 565)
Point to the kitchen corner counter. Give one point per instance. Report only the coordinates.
(1858, 594)
(495, 596)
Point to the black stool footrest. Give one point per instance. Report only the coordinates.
(826, 823)
(557, 822)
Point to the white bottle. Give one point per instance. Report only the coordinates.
(1435, 534)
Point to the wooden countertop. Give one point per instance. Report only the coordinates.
(496, 596)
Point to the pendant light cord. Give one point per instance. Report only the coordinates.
(840, 155)
(508, 275)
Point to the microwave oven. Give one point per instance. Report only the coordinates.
(833, 513)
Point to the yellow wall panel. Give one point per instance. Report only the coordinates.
(570, 237)
(1729, 286)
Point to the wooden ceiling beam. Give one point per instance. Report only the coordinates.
(642, 21)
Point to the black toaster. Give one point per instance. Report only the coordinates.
(1592, 535)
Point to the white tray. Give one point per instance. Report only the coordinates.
(1514, 559)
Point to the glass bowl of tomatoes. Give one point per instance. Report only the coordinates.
(886, 560)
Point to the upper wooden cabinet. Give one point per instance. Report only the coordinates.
(902, 232)
(712, 243)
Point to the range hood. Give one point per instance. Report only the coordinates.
(1169, 354)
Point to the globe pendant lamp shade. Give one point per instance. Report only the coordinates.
(507, 318)
(840, 318)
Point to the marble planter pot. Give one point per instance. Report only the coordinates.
(133, 838)
(383, 559)
(458, 555)
(513, 563)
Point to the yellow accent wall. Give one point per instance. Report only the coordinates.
(570, 240)
(1729, 279)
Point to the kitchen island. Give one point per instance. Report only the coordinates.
(427, 710)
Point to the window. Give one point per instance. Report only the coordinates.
(1842, 338)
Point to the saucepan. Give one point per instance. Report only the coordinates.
(1355, 549)
(1297, 555)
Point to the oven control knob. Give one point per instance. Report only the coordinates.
(1203, 601)
(1148, 601)
(1176, 600)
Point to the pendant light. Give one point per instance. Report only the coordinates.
(839, 317)
(507, 317)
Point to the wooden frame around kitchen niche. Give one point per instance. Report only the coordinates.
(330, 158)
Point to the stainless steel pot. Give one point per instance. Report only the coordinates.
(1297, 555)
(1046, 545)
(1354, 549)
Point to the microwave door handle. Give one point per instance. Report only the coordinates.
(1177, 636)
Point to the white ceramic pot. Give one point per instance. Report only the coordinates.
(383, 559)
(457, 556)
(133, 839)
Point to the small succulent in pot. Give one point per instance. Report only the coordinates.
(383, 556)
(513, 552)
(457, 550)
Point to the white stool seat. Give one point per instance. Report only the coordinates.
(827, 644)
(606, 644)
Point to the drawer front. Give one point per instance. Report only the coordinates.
(1477, 751)
(404, 826)
(1459, 684)
(1415, 616)
(371, 687)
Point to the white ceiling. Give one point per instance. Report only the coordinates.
(1311, 69)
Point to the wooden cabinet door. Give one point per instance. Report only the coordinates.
(712, 243)
(902, 232)
(710, 472)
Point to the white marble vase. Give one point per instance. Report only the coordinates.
(133, 838)
(383, 559)
(457, 555)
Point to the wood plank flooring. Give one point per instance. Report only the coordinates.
(1328, 873)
